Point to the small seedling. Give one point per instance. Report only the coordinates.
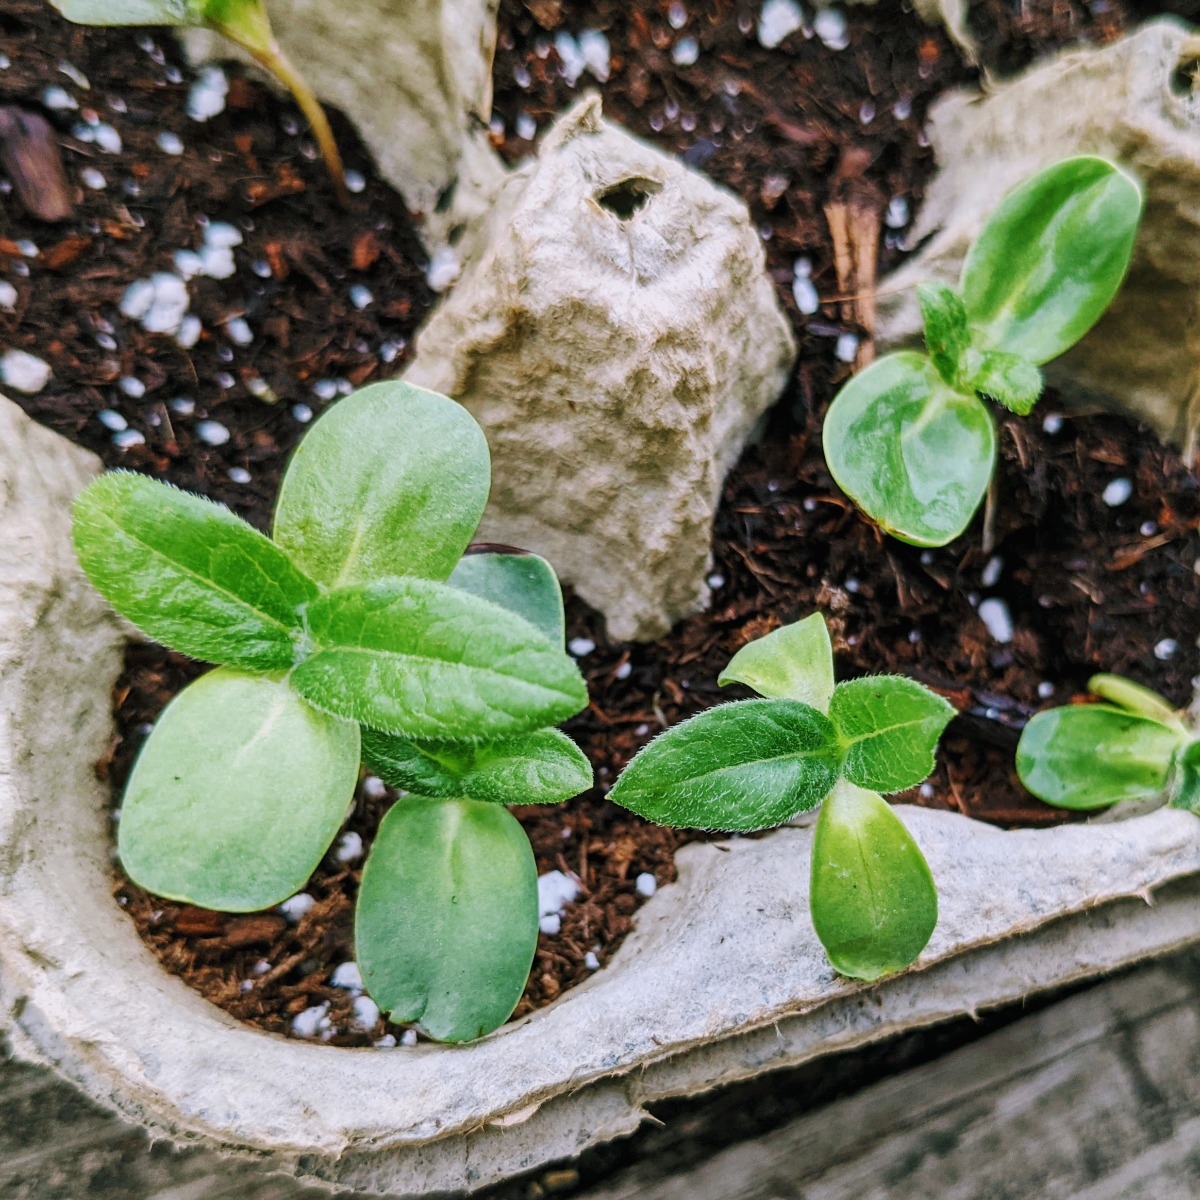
(357, 627)
(753, 764)
(1133, 747)
(243, 22)
(910, 440)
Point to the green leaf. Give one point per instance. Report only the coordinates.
(1187, 784)
(544, 767)
(913, 454)
(1090, 756)
(890, 728)
(1010, 380)
(947, 336)
(237, 794)
(747, 765)
(447, 917)
(792, 663)
(1051, 258)
(390, 481)
(1134, 698)
(872, 896)
(426, 660)
(190, 574)
(522, 583)
(132, 12)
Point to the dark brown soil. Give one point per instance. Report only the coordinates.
(1089, 586)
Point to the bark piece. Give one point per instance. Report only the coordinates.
(30, 155)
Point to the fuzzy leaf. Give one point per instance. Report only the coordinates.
(873, 899)
(915, 455)
(747, 765)
(189, 573)
(1010, 380)
(792, 663)
(132, 12)
(1090, 756)
(447, 917)
(390, 481)
(947, 336)
(544, 767)
(1051, 257)
(426, 660)
(1134, 698)
(890, 728)
(237, 794)
(522, 583)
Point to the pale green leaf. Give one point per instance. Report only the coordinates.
(747, 765)
(1134, 698)
(543, 767)
(132, 12)
(426, 660)
(915, 455)
(1051, 257)
(1187, 779)
(1010, 380)
(522, 583)
(1090, 756)
(873, 899)
(189, 573)
(947, 337)
(792, 663)
(390, 481)
(237, 794)
(890, 728)
(447, 918)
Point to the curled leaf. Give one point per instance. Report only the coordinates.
(523, 583)
(792, 663)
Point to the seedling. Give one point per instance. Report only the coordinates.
(356, 627)
(909, 439)
(753, 764)
(243, 22)
(1134, 747)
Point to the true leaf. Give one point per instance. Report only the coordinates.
(132, 12)
(522, 583)
(1134, 698)
(1051, 258)
(890, 728)
(1187, 786)
(426, 660)
(914, 454)
(947, 336)
(237, 794)
(792, 663)
(189, 573)
(1090, 756)
(447, 917)
(872, 896)
(747, 765)
(543, 767)
(390, 481)
(1010, 380)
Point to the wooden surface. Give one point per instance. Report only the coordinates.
(1096, 1097)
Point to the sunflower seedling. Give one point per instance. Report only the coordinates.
(757, 763)
(243, 22)
(909, 439)
(357, 626)
(1132, 746)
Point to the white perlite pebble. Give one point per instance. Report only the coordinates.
(206, 98)
(526, 127)
(294, 907)
(311, 1021)
(685, 52)
(133, 387)
(847, 347)
(189, 331)
(74, 74)
(366, 1014)
(571, 56)
(217, 262)
(1045, 690)
(779, 19)
(213, 433)
(355, 182)
(239, 475)
(830, 26)
(24, 372)
(349, 847)
(361, 296)
(992, 571)
(444, 268)
(1165, 649)
(597, 54)
(995, 615)
(1052, 424)
(581, 646)
(239, 332)
(374, 788)
(302, 413)
(128, 438)
(897, 213)
(591, 961)
(170, 143)
(159, 302)
(8, 295)
(58, 99)
(645, 884)
(1117, 492)
(188, 263)
(555, 892)
(347, 975)
(386, 1042)
(805, 294)
(111, 419)
(624, 670)
(408, 1037)
(93, 179)
(551, 925)
(221, 233)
